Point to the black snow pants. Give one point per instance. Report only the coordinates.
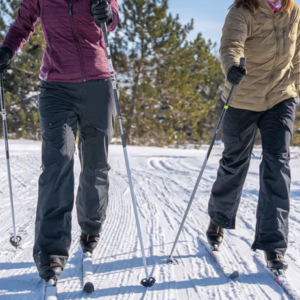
(64, 108)
(239, 132)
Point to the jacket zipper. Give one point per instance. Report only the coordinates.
(77, 41)
(275, 61)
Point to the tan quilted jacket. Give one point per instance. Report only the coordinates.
(271, 44)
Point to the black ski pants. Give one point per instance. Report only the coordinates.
(239, 132)
(64, 108)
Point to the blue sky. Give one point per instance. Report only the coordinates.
(208, 15)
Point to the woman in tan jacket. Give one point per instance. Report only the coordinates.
(267, 34)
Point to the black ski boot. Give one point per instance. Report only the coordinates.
(276, 261)
(51, 271)
(215, 235)
(88, 242)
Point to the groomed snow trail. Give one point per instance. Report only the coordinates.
(163, 180)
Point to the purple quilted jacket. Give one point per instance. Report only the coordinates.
(75, 49)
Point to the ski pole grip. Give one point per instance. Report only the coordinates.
(242, 62)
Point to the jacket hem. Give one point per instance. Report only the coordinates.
(74, 80)
(252, 106)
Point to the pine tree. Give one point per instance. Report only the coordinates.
(21, 80)
(296, 139)
(169, 85)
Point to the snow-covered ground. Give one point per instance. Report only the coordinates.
(163, 179)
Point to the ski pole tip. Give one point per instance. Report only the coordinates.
(148, 282)
(15, 243)
(172, 261)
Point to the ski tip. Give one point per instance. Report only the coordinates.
(234, 275)
(89, 288)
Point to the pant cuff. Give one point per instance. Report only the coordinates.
(42, 259)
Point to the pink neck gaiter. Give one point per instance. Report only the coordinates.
(275, 6)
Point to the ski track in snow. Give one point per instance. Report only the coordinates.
(163, 181)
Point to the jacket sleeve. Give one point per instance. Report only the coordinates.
(23, 26)
(234, 35)
(115, 9)
(296, 61)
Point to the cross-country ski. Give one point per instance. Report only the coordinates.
(87, 268)
(51, 290)
(280, 278)
(216, 254)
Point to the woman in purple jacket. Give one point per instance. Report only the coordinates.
(76, 93)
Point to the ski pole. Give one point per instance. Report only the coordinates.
(148, 281)
(14, 240)
(225, 108)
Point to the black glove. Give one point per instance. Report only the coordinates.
(236, 75)
(102, 12)
(5, 57)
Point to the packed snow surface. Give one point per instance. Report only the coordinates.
(163, 182)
